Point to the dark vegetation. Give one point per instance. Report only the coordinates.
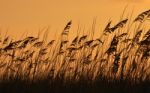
(116, 62)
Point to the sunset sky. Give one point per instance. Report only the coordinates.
(18, 16)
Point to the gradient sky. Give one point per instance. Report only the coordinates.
(19, 16)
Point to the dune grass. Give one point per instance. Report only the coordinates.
(118, 61)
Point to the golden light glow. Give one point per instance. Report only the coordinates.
(29, 15)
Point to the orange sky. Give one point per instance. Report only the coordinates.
(19, 16)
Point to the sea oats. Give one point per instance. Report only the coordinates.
(66, 29)
(50, 43)
(142, 17)
(137, 37)
(75, 40)
(122, 35)
(82, 38)
(38, 44)
(107, 28)
(88, 43)
(6, 40)
(121, 24)
(113, 46)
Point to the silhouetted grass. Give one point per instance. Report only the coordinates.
(116, 62)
